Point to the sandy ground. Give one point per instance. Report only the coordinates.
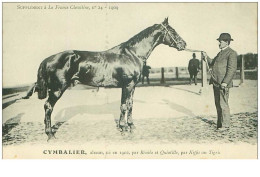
(162, 115)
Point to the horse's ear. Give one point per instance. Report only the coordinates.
(165, 22)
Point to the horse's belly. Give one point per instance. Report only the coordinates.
(104, 81)
(104, 75)
(108, 82)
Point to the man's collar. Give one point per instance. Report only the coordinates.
(224, 48)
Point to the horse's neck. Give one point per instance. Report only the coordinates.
(144, 48)
(141, 49)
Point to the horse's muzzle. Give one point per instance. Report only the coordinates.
(181, 45)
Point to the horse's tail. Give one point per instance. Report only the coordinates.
(42, 81)
(30, 91)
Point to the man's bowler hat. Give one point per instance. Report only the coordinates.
(225, 37)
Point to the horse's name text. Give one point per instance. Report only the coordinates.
(65, 152)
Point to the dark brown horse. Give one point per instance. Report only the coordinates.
(120, 66)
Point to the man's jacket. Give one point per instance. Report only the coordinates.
(194, 65)
(224, 66)
(146, 70)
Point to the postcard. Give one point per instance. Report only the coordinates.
(129, 80)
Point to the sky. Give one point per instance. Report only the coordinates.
(31, 35)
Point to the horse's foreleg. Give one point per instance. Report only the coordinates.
(48, 107)
(123, 108)
(126, 107)
(129, 104)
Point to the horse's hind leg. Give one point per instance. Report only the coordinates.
(48, 106)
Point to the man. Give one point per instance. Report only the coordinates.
(224, 67)
(193, 68)
(145, 73)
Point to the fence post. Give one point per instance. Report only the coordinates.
(203, 72)
(162, 78)
(177, 72)
(242, 71)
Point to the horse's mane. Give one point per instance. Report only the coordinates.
(140, 36)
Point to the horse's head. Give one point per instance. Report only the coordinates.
(171, 37)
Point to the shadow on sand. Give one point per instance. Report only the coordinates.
(67, 113)
(210, 122)
(179, 108)
(11, 123)
(5, 105)
(197, 93)
(188, 112)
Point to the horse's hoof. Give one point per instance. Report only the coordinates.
(76, 82)
(117, 126)
(132, 128)
(54, 131)
(50, 137)
(122, 129)
(123, 133)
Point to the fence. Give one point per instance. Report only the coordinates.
(246, 61)
(182, 73)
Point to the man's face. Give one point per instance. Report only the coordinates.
(222, 44)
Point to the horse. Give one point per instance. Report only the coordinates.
(118, 67)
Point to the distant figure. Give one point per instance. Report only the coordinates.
(146, 73)
(193, 68)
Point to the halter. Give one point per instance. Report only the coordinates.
(168, 32)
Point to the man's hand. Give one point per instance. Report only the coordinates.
(223, 85)
(205, 55)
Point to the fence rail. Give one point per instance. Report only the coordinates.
(183, 73)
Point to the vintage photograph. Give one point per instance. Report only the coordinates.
(130, 80)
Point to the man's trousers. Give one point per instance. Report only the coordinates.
(223, 111)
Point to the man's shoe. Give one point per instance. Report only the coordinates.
(222, 129)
